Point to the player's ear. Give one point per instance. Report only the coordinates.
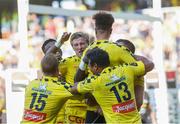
(96, 31)
(96, 67)
(110, 31)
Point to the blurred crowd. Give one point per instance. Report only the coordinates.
(43, 27)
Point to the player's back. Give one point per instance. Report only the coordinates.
(43, 100)
(68, 68)
(75, 110)
(114, 91)
(117, 54)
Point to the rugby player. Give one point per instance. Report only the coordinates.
(45, 97)
(75, 110)
(117, 54)
(113, 87)
(139, 81)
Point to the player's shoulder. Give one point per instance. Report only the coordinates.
(128, 65)
(35, 80)
(98, 42)
(90, 79)
(59, 82)
(66, 85)
(109, 70)
(71, 59)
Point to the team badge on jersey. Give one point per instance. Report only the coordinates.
(42, 86)
(114, 77)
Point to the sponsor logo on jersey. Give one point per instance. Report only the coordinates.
(42, 89)
(34, 116)
(124, 107)
(76, 119)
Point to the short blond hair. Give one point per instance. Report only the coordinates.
(77, 35)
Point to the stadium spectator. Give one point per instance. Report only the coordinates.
(147, 112)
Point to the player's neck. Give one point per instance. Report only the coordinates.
(51, 75)
(102, 35)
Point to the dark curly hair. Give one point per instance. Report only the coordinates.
(45, 43)
(103, 20)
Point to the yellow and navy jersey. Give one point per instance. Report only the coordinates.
(43, 100)
(117, 54)
(68, 68)
(113, 89)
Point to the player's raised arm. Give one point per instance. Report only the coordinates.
(59, 42)
(81, 74)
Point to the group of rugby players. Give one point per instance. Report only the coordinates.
(102, 83)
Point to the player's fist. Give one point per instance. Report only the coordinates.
(65, 37)
(61, 39)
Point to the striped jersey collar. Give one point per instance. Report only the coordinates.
(102, 40)
(50, 78)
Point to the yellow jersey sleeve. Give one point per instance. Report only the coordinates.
(117, 54)
(68, 68)
(87, 86)
(63, 67)
(138, 68)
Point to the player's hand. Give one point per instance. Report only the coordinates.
(64, 37)
(90, 100)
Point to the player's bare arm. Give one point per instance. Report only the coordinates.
(59, 42)
(74, 89)
(81, 74)
(139, 90)
(149, 65)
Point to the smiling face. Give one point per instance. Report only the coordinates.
(79, 45)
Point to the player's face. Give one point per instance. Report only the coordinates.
(79, 45)
(58, 55)
(93, 69)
